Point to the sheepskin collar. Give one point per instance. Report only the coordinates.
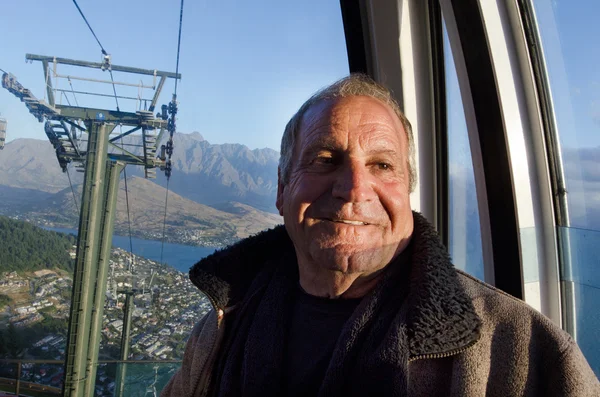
(441, 318)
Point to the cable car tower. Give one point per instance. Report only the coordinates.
(2, 132)
(101, 167)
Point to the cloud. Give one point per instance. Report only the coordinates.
(582, 173)
(583, 164)
(595, 111)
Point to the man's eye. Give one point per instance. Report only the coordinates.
(324, 160)
(384, 166)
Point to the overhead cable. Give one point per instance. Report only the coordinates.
(128, 217)
(172, 111)
(88, 24)
(106, 56)
(172, 108)
(162, 244)
(73, 91)
(73, 191)
(178, 45)
(66, 97)
(114, 89)
(127, 206)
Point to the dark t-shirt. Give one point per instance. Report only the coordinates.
(316, 324)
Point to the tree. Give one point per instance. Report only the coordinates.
(2, 345)
(26, 247)
(14, 345)
(4, 300)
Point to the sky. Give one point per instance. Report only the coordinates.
(245, 69)
(248, 66)
(569, 30)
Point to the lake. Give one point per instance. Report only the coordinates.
(179, 256)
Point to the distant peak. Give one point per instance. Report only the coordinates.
(197, 136)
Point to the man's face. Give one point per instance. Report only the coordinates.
(346, 205)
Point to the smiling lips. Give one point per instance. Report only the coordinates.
(347, 222)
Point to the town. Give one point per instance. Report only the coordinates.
(175, 235)
(166, 307)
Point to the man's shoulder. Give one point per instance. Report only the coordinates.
(514, 332)
(498, 309)
(478, 289)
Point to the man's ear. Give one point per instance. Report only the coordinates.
(280, 187)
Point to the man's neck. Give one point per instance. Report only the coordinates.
(334, 284)
(323, 282)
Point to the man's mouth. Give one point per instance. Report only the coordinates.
(349, 222)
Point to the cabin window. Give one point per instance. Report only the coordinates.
(464, 237)
(573, 79)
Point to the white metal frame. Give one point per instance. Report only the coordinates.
(528, 155)
(400, 52)
(400, 45)
(476, 156)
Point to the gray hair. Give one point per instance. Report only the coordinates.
(353, 85)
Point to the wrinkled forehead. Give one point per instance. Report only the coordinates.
(329, 115)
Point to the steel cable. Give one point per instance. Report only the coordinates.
(73, 191)
(103, 53)
(162, 244)
(127, 207)
(88, 24)
(178, 45)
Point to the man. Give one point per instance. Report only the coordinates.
(356, 295)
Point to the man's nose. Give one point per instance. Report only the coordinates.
(353, 183)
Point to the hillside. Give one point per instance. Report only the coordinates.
(26, 247)
(203, 172)
(187, 221)
(14, 200)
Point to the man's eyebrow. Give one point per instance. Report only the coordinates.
(383, 150)
(324, 143)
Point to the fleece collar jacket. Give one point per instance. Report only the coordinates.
(465, 338)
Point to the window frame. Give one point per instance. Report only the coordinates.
(513, 194)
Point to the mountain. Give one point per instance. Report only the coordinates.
(14, 199)
(203, 172)
(212, 174)
(186, 222)
(31, 164)
(216, 175)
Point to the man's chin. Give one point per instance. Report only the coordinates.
(349, 261)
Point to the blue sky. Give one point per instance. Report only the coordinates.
(246, 69)
(569, 30)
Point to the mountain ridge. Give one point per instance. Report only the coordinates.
(203, 172)
(217, 193)
(186, 221)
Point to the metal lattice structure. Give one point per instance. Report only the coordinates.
(102, 159)
(2, 132)
(62, 121)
